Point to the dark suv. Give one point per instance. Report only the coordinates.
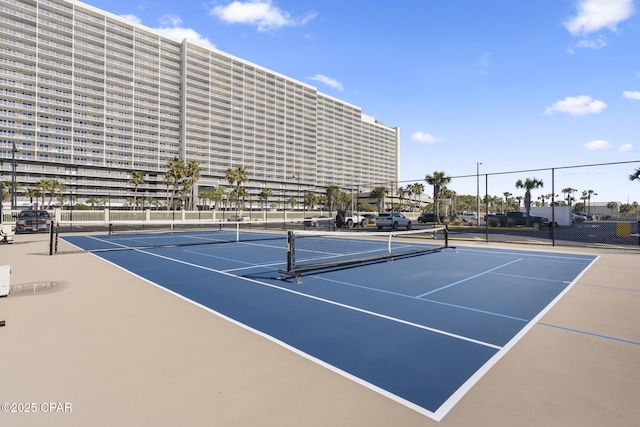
(32, 220)
(428, 217)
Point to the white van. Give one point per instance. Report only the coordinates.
(466, 216)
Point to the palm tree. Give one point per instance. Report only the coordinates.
(174, 176)
(635, 176)
(264, 196)
(236, 177)
(332, 196)
(310, 199)
(93, 201)
(528, 184)
(193, 173)
(51, 186)
(568, 192)
(379, 193)
(506, 195)
(401, 193)
(4, 194)
(612, 206)
(586, 195)
(438, 180)
(6, 190)
(32, 193)
(417, 189)
(215, 195)
(137, 179)
(322, 200)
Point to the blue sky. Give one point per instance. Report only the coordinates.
(515, 85)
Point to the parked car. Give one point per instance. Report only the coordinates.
(428, 217)
(466, 216)
(317, 220)
(578, 217)
(33, 221)
(350, 218)
(514, 219)
(393, 220)
(239, 218)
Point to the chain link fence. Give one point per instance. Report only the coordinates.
(589, 205)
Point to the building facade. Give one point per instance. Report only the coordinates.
(87, 97)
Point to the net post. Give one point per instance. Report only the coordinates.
(446, 237)
(290, 251)
(237, 231)
(51, 238)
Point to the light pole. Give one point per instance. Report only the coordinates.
(478, 193)
(14, 150)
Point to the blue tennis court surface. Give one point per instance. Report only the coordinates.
(420, 330)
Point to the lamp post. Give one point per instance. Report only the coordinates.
(14, 150)
(478, 193)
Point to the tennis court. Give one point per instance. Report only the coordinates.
(418, 329)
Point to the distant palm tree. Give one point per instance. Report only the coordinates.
(215, 195)
(32, 193)
(174, 176)
(568, 192)
(379, 194)
(402, 192)
(51, 186)
(417, 189)
(310, 199)
(438, 180)
(6, 190)
(193, 173)
(586, 196)
(264, 196)
(236, 177)
(137, 179)
(332, 196)
(528, 184)
(506, 195)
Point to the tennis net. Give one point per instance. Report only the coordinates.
(309, 251)
(96, 236)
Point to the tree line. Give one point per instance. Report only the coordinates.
(180, 179)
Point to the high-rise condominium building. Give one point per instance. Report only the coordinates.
(88, 97)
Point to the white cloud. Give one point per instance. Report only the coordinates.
(595, 44)
(171, 28)
(424, 137)
(597, 145)
(170, 20)
(133, 18)
(181, 33)
(631, 94)
(576, 106)
(594, 15)
(328, 81)
(626, 147)
(260, 13)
